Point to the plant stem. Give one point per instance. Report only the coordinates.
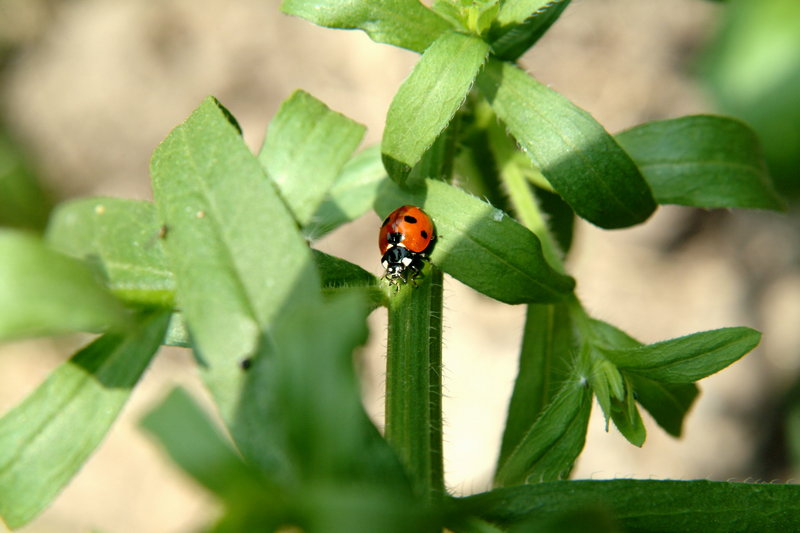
(414, 382)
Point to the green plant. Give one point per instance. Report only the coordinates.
(220, 263)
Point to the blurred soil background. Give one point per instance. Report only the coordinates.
(88, 88)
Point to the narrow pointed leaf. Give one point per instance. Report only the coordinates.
(194, 442)
(607, 337)
(235, 250)
(352, 194)
(626, 417)
(428, 99)
(545, 360)
(304, 150)
(43, 292)
(688, 358)
(521, 23)
(177, 332)
(404, 23)
(46, 439)
(579, 158)
(702, 161)
(607, 385)
(667, 403)
(305, 389)
(338, 276)
(122, 239)
(481, 246)
(555, 440)
(645, 505)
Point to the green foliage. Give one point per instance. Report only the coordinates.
(428, 99)
(550, 446)
(752, 68)
(351, 195)
(46, 439)
(640, 506)
(307, 139)
(220, 263)
(121, 239)
(521, 23)
(689, 358)
(43, 292)
(702, 161)
(482, 246)
(577, 156)
(403, 23)
(230, 283)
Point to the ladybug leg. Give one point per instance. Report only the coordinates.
(415, 270)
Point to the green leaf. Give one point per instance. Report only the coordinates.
(607, 384)
(702, 161)
(607, 337)
(640, 506)
(43, 292)
(549, 449)
(472, 17)
(594, 518)
(688, 358)
(481, 246)
(578, 157)
(177, 332)
(519, 190)
(122, 239)
(46, 439)
(328, 434)
(437, 161)
(560, 218)
(23, 202)
(521, 23)
(198, 446)
(404, 23)
(626, 417)
(352, 194)
(427, 100)
(304, 400)
(477, 170)
(753, 72)
(235, 250)
(338, 276)
(545, 360)
(668, 403)
(304, 150)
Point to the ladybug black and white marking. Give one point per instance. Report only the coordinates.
(405, 239)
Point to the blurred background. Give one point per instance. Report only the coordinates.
(88, 88)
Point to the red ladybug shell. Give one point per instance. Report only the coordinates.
(408, 227)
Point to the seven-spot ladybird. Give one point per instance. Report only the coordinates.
(405, 239)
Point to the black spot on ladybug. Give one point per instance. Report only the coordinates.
(386, 221)
(410, 219)
(424, 234)
(246, 363)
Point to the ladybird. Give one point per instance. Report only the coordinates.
(405, 239)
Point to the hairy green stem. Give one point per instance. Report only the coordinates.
(414, 381)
